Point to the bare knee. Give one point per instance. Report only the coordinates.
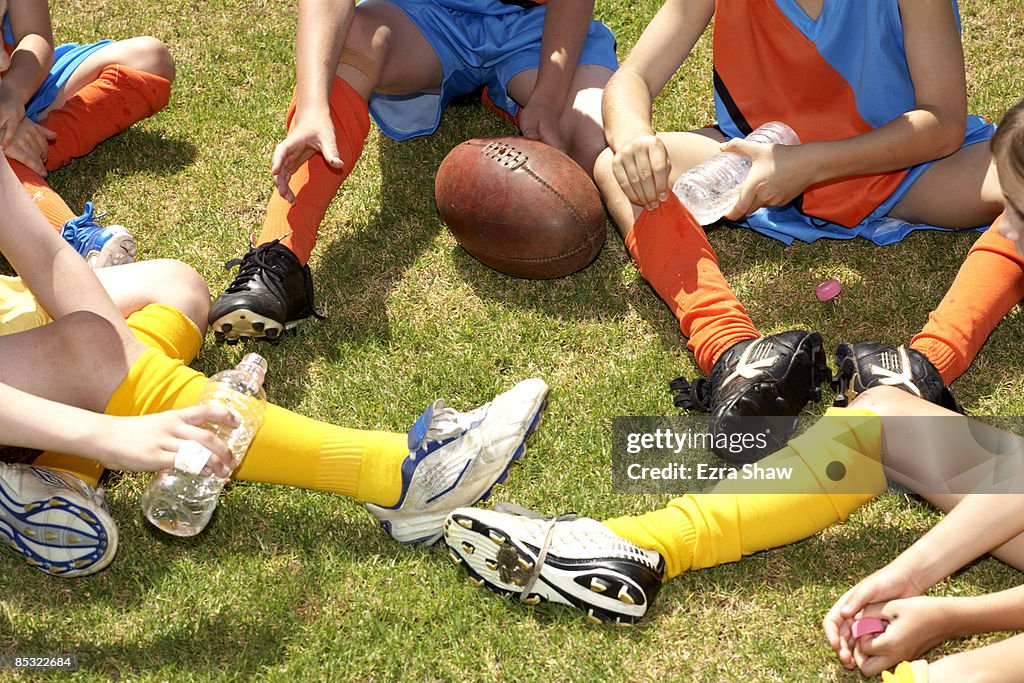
(366, 49)
(85, 339)
(148, 54)
(618, 205)
(178, 285)
(883, 400)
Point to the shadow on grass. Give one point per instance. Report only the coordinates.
(132, 152)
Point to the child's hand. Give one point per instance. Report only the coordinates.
(311, 134)
(642, 168)
(888, 583)
(12, 111)
(538, 120)
(30, 145)
(149, 443)
(777, 176)
(916, 625)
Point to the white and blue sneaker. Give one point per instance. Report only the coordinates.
(455, 459)
(56, 521)
(99, 246)
(569, 560)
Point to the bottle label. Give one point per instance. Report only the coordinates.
(192, 457)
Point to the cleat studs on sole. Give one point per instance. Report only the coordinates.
(258, 326)
(496, 537)
(456, 560)
(593, 618)
(532, 599)
(468, 547)
(625, 597)
(491, 564)
(597, 585)
(465, 523)
(526, 565)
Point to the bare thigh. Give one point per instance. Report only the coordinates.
(143, 54)
(399, 58)
(959, 191)
(580, 123)
(685, 150)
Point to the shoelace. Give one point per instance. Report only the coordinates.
(261, 259)
(79, 223)
(447, 422)
(513, 509)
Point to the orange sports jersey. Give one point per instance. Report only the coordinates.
(838, 76)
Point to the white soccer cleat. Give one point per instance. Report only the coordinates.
(56, 521)
(455, 459)
(569, 560)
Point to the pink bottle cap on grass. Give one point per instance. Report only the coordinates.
(828, 290)
(862, 627)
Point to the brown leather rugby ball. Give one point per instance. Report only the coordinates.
(520, 206)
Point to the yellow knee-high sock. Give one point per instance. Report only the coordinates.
(737, 518)
(157, 326)
(289, 448)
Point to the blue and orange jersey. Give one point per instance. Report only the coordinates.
(838, 76)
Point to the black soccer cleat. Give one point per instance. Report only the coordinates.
(568, 560)
(755, 388)
(864, 365)
(271, 293)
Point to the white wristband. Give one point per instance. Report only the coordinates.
(192, 457)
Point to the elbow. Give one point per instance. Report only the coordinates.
(949, 135)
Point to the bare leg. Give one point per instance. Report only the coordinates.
(142, 54)
(164, 281)
(685, 150)
(377, 27)
(79, 360)
(960, 191)
(944, 456)
(581, 124)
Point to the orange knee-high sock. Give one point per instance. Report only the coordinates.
(988, 285)
(118, 97)
(674, 255)
(49, 202)
(315, 183)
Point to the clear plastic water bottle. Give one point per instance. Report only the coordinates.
(182, 503)
(711, 188)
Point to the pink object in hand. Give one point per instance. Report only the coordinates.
(862, 627)
(827, 290)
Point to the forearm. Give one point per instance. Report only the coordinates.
(28, 421)
(663, 47)
(320, 37)
(978, 524)
(626, 108)
(55, 274)
(916, 137)
(566, 24)
(1002, 611)
(30, 62)
(997, 662)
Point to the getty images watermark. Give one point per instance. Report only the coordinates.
(834, 454)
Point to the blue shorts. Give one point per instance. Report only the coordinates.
(66, 58)
(475, 50)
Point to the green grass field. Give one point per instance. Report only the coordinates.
(296, 585)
